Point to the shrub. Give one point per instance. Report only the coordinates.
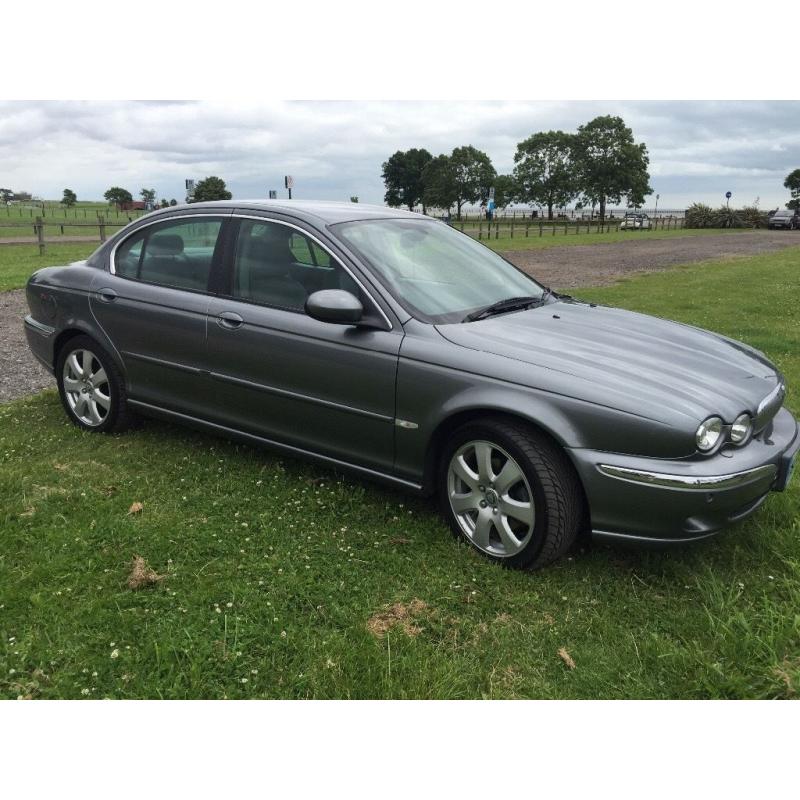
(725, 217)
(699, 215)
(754, 217)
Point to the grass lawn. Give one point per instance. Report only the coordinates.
(18, 261)
(286, 580)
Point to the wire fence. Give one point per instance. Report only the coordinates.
(510, 228)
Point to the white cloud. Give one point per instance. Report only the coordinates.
(335, 149)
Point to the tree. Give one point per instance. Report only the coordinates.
(353, 198)
(439, 181)
(792, 183)
(505, 190)
(211, 188)
(610, 164)
(462, 177)
(403, 177)
(118, 196)
(164, 202)
(148, 195)
(69, 199)
(6, 195)
(545, 170)
(173, 202)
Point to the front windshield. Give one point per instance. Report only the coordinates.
(437, 273)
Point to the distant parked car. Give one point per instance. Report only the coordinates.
(635, 222)
(784, 218)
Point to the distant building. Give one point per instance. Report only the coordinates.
(134, 205)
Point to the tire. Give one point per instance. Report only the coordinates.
(91, 387)
(488, 506)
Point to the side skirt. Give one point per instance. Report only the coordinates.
(251, 438)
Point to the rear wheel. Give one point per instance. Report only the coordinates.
(91, 387)
(510, 492)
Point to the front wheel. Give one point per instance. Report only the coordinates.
(91, 388)
(510, 492)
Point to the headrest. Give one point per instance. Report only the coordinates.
(267, 255)
(165, 244)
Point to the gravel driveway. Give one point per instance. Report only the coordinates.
(566, 267)
(601, 264)
(20, 372)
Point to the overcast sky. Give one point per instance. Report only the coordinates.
(698, 150)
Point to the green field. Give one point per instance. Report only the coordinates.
(287, 580)
(18, 261)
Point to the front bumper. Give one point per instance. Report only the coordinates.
(661, 501)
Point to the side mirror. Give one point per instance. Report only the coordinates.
(336, 306)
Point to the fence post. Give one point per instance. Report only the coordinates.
(565, 228)
(512, 226)
(496, 230)
(527, 229)
(540, 229)
(101, 222)
(480, 229)
(40, 235)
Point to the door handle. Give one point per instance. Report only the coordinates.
(230, 320)
(106, 295)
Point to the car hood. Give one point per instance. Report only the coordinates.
(634, 362)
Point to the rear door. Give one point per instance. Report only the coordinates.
(322, 387)
(153, 305)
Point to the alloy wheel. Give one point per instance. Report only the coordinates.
(86, 387)
(491, 498)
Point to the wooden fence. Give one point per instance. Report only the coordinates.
(40, 227)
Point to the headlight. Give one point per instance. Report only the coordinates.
(741, 428)
(708, 434)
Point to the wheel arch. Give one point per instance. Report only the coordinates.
(446, 426)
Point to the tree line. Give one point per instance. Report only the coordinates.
(598, 165)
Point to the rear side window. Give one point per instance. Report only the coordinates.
(176, 253)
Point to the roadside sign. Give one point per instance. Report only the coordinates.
(288, 181)
(189, 185)
(729, 195)
(491, 192)
(273, 194)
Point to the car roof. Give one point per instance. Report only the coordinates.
(317, 211)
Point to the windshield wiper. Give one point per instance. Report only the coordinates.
(502, 306)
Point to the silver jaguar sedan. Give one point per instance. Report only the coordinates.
(388, 344)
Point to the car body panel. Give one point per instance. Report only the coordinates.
(611, 387)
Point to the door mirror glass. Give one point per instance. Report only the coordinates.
(336, 306)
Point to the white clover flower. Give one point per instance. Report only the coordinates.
(115, 653)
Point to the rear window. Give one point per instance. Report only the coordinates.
(175, 253)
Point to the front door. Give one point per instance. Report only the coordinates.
(279, 373)
(153, 306)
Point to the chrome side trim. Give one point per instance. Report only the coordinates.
(39, 327)
(263, 387)
(699, 483)
(260, 440)
(162, 363)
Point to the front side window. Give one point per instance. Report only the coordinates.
(437, 273)
(276, 265)
(177, 253)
